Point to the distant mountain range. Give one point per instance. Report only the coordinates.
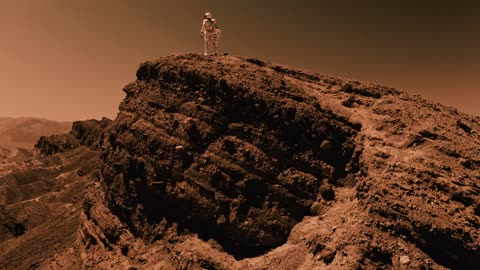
(25, 131)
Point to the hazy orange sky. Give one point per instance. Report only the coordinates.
(69, 59)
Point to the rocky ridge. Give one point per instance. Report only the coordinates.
(250, 165)
(90, 133)
(234, 163)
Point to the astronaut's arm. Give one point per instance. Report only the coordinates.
(202, 30)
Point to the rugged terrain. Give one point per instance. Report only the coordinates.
(233, 163)
(41, 196)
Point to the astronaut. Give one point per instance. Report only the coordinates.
(210, 34)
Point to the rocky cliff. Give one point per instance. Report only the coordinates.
(90, 133)
(233, 163)
(266, 161)
(246, 163)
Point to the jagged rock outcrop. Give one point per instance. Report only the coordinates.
(241, 152)
(90, 133)
(238, 161)
(56, 143)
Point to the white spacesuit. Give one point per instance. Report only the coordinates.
(210, 34)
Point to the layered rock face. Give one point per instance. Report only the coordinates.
(90, 133)
(255, 156)
(238, 160)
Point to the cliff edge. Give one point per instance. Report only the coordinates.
(266, 161)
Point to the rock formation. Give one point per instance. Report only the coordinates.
(90, 133)
(234, 163)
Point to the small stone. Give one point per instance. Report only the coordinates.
(179, 147)
(404, 260)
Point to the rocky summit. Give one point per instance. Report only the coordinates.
(234, 163)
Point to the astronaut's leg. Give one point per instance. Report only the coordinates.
(215, 45)
(205, 45)
(210, 46)
(216, 40)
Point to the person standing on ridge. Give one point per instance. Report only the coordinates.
(210, 34)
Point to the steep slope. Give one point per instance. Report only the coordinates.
(233, 163)
(24, 132)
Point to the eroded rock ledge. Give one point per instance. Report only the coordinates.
(227, 151)
(218, 160)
